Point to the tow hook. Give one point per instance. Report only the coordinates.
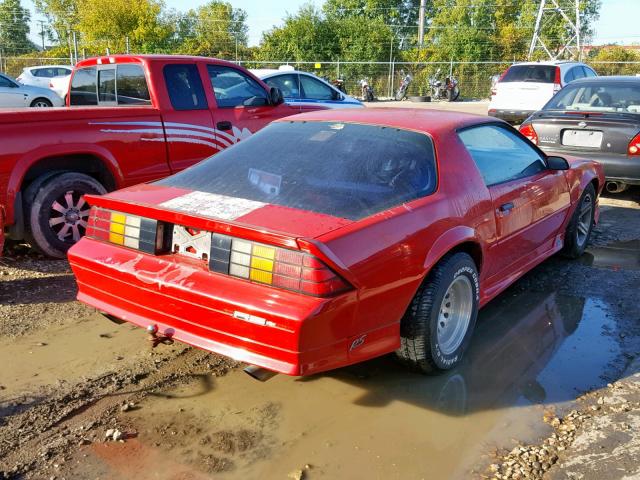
(156, 339)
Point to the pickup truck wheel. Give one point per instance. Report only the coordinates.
(58, 214)
(576, 238)
(41, 103)
(437, 328)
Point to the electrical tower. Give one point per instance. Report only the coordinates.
(573, 45)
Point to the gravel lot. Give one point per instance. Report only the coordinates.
(550, 388)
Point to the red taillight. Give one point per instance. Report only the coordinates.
(557, 81)
(634, 146)
(275, 266)
(127, 230)
(503, 75)
(528, 131)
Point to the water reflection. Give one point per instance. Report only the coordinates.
(528, 348)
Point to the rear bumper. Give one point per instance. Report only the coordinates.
(620, 168)
(288, 332)
(511, 116)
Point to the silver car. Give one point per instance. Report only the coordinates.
(15, 95)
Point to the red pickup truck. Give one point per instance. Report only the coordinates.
(156, 115)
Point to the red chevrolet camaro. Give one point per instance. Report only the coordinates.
(336, 236)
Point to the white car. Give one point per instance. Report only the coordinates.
(60, 85)
(40, 76)
(305, 89)
(14, 95)
(526, 87)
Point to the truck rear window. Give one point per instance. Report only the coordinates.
(530, 73)
(340, 169)
(125, 84)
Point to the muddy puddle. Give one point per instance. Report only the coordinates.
(617, 256)
(65, 353)
(374, 420)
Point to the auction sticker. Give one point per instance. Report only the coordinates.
(212, 205)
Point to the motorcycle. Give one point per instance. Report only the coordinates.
(367, 91)
(404, 85)
(339, 84)
(449, 90)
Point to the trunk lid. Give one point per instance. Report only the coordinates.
(522, 95)
(219, 213)
(584, 132)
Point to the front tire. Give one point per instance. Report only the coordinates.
(438, 325)
(57, 214)
(41, 103)
(578, 233)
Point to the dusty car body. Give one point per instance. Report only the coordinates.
(298, 271)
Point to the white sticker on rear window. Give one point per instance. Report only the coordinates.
(213, 205)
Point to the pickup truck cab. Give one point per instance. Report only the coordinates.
(131, 119)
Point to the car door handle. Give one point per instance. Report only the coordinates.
(224, 125)
(506, 207)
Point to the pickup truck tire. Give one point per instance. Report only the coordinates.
(57, 213)
(41, 103)
(438, 325)
(576, 237)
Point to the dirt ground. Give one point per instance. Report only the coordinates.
(549, 389)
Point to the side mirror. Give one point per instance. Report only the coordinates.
(255, 102)
(557, 163)
(275, 96)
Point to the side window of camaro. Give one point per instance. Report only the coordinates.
(501, 155)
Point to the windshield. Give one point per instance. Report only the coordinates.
(598, 97)
(530, 73)
(339, 169)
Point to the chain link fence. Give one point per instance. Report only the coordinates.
(385, 77)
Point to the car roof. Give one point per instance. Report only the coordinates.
(430, 121)
(49, 66)
(149, 58)
(549, 62)
(605, 79)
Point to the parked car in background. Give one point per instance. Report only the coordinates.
(336, 236)
(158, 115)
(306, 90)
(597, 118)
(526, 87)
(16, 95)
(55, 77)
(60, 85)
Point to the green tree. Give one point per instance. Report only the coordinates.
(62, 16)
(606, 60)
(14, 28)
(215, 29)
(305, 36)
(113, 21)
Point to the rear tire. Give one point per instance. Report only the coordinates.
(438, 325)
(578, 233)
(57, 213)
(41, 103)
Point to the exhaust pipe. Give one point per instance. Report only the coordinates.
(260, 373)
(616, 187)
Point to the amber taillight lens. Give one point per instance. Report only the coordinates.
(132, 231)
(275, 266)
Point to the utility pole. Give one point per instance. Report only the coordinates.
(41, 22)
(75, 47)
(574, 27)
(423, 6)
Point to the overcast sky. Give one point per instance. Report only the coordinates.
(617, 24)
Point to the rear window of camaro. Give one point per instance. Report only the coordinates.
(340, 169)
